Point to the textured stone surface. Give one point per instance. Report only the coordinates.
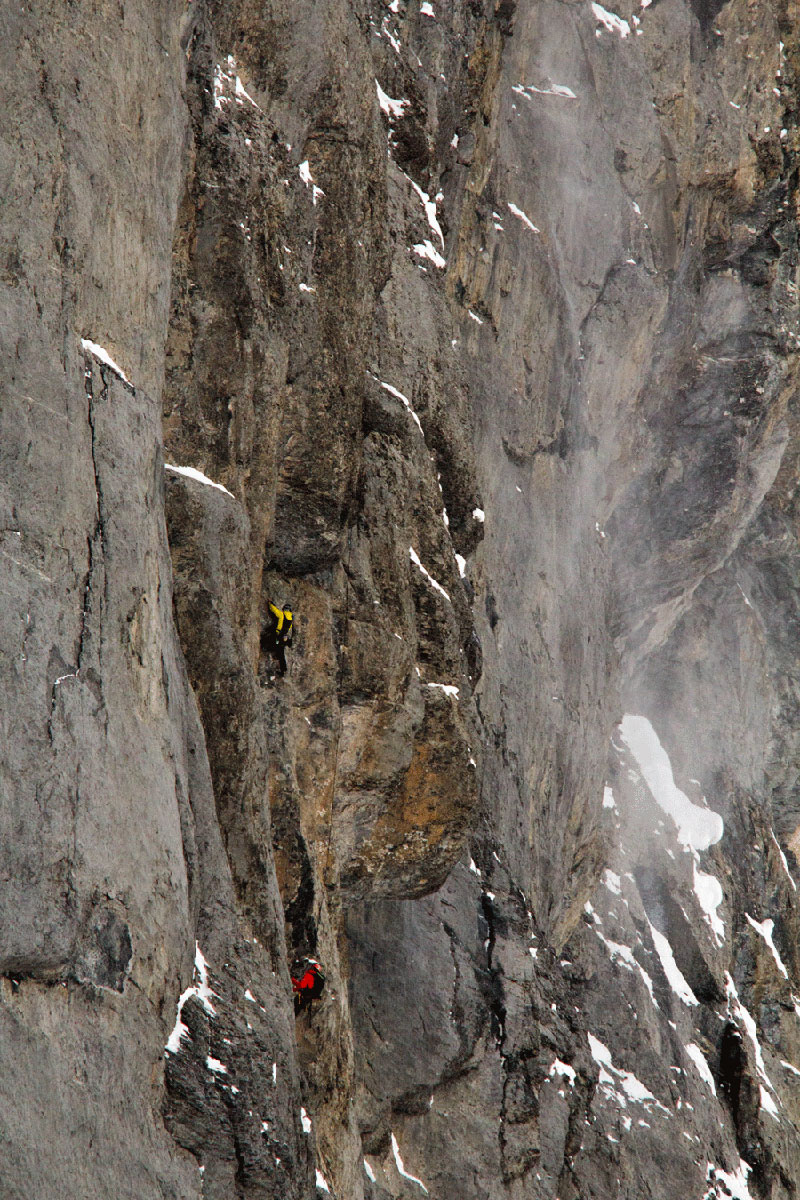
(478, 321)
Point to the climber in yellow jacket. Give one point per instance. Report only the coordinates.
(277, 634)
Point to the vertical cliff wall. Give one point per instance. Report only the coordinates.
(468, 332)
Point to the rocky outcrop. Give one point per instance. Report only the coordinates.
(466, 331)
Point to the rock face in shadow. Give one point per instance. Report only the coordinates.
(467, 332)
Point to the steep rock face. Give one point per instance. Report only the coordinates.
(476, 348)
(339, 459)
(113, 863)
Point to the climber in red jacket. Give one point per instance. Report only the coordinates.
(307, 982)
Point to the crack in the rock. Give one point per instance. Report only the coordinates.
(97, 539)
(89, 388)
(497, 1014)
(497, 1009)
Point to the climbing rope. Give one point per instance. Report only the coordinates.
(339, 678)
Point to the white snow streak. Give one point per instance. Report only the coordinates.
(104, 357)
(703, 1070)
(612, 882)
(428, 577)
(735, 1184)
(618, 952)
(222, 78)
(390, 37)
(671, 969)
(784, 863)
(304, 172)
(708, 890)
(392, 108)
(698, 828)
(427, 249)
(556, 89)
(387, 387)
(401, 1168)
(216, 1066)
(305, 1121)
(625, 956)
(562, 1068)
(611, 21)
(241, 94)
(369, 1171)
(426, 9)
(198, 477)
(632, 1088)
(430, 208)
(200, 988)
(738, 1010)
(608, 798)
(447, 688)
(764, 929)
(478, 515)
(321, 1182)
(517, 212)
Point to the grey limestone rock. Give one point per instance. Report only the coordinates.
(467, 331)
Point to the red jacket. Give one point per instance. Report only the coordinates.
(309, 980)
